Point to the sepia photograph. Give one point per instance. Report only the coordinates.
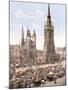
(37, 44)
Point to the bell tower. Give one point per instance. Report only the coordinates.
(49, 47)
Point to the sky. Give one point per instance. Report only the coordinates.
(34, 16)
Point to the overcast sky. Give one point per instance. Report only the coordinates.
(33, 16)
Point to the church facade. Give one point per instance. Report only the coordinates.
(28, 52)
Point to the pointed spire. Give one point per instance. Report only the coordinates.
(22, 34)
(22, 38)
(28, 31)
(34, 33)
(48, 16)
(48, 10)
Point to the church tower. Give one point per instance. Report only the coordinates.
(28, 40)
(34, 39)
(34, 44)
(49, 47)
(22, 38)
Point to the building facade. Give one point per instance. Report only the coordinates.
(61, 52)
(28, 52)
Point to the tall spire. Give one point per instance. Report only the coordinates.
(49, 10)
(28, 31)
(34, 33)
(22, 38)
(48, 16)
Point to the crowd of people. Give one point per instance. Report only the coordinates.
(35, 76)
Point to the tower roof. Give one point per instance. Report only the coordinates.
(22, 38)
(22, 32)
(48, 16)
(48, 10)
(28, 31)
(34, 33)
